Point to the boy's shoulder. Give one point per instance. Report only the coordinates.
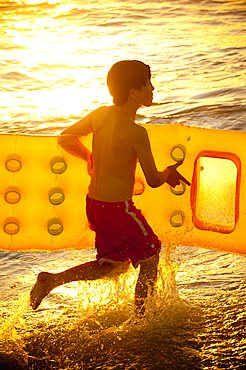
(140, 129)
(101, 110)
(98, 114)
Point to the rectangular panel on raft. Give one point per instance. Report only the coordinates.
(42, 196)
(43, 188)
(210, 213)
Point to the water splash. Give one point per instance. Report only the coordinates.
(99, 329)
(11, 340)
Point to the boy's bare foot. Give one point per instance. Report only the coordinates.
(41, 289)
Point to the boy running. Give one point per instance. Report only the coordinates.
(122, 233)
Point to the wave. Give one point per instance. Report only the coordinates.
(16, 76)
(220, 116)
(19, 81)
(228, 91)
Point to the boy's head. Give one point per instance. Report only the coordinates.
(124, 76)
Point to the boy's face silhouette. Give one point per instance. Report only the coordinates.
(144, 97)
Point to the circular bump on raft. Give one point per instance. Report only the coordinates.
(179, 189)
(178, 152)
(56, 196)
(11, 226)
(13, 162)
(54, 226)
(58, 165)
(12, 194)
(177, 218)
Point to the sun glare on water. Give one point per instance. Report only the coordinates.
(63, 51)
(58, 82)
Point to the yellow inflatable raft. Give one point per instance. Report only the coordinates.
(43, 189)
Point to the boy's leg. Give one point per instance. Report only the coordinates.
(88, 271)
(147, 277)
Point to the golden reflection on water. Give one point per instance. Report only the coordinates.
(47, 48)
(66, 58)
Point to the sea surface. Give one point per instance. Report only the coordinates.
(54, 59)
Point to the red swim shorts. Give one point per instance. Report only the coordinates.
(122, 232)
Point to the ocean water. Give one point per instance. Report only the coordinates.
(54, 59)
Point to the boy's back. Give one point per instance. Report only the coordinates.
(114, 157)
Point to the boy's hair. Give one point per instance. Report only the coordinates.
(124, 76)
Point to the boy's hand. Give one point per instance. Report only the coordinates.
(174, 177)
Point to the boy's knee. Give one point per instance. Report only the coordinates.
(119, 268)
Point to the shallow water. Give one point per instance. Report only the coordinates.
(195, 321)
(54, 60)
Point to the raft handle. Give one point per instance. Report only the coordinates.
(11, 226)
(177, 218)
(178, 152)
(179, 189)
(56, 196)
(12, 194)
(13, 162)
(58, 165)
(54, 226)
